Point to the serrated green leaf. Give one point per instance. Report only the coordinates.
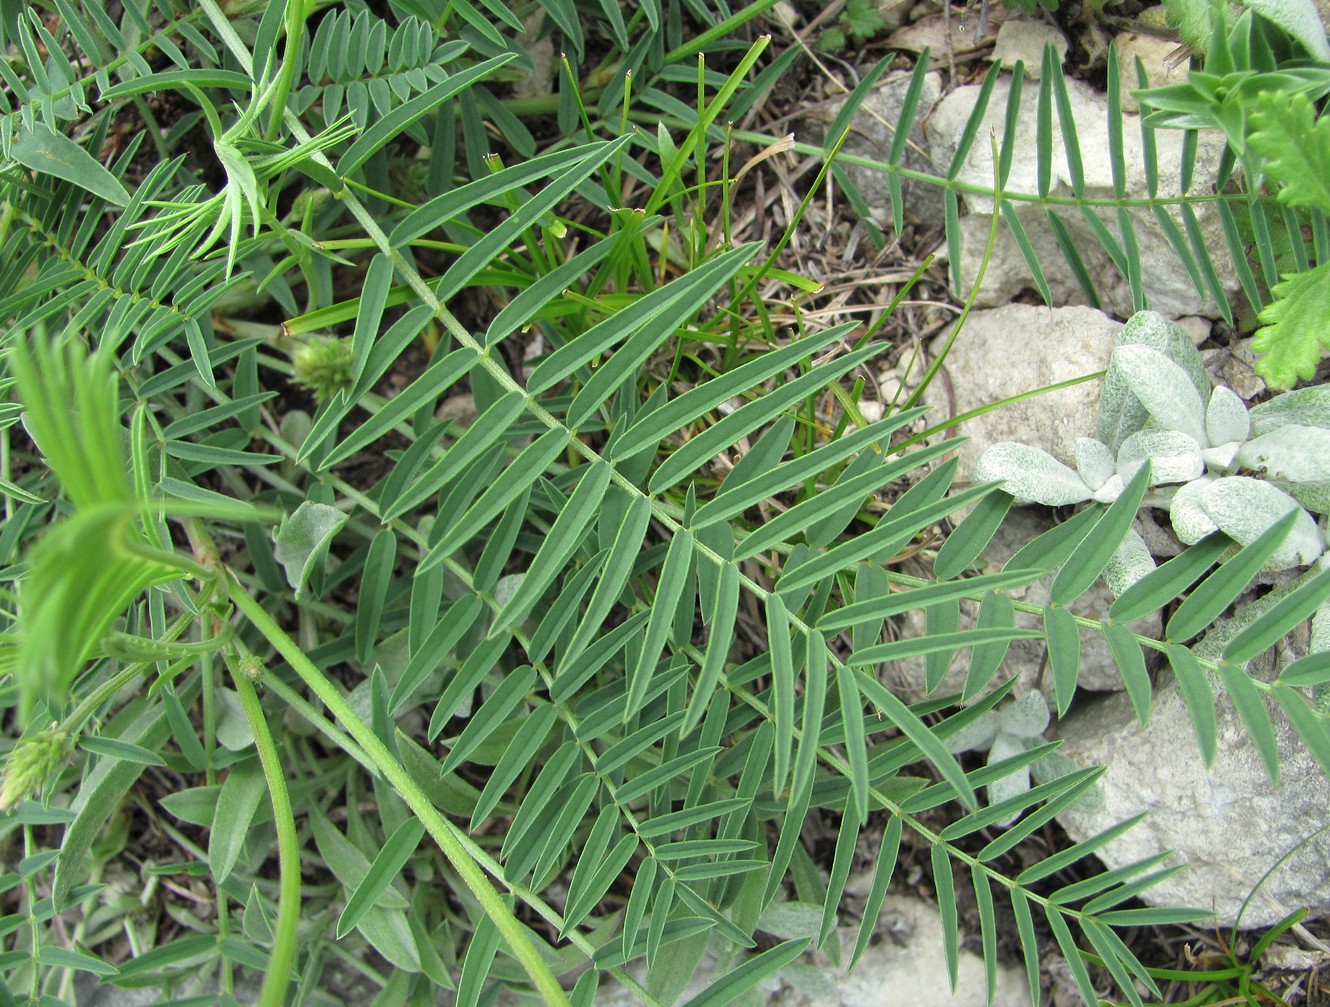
(1295, 327)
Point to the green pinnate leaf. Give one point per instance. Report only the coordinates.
(1296, 147)
(1296, 328)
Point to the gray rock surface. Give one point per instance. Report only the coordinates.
(1164, 279)
(905, 966)
(1025, 658)
(1025, 40)
(1228, 824)
(1019, 348)
(1157, 55)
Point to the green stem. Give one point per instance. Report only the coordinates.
(296, 13)
(472, 876)
(278, 977)
(89, 704)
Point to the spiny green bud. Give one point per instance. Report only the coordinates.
(324, 365)
(310, 201)
(251, 667)
(32, 764)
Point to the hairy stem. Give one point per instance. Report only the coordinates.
(278, 977)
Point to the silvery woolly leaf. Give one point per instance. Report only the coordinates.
(1320, 638)
(1013, 784)
(1221, 460)
(1094, 462)
(1149, 328)
(1307, 407)
(1226, 417)
(1164, 389)
(1190, 521)
(1292, 453)
(791, 920)
(1120, 412)
(974, 736)
(1030, 475)
(1130, 563)
(1174, 457)
(1111, 490)
(1243, 508)
(1027, 717)
(1314, 496)
(507, 587)
(302, 541)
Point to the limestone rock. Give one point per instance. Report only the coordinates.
(1157, 56)
(1019, 348)
(1164, 278)
(1025, 40)
(908, 960)
(909, 963)
(1227, 823)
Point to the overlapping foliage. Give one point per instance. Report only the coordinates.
(610, 635)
